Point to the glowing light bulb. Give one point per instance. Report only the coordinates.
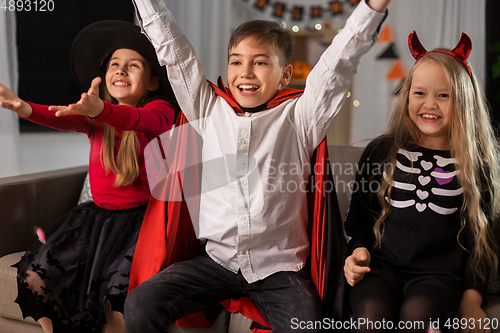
(295, 28)
(318, 26)
(355, 103)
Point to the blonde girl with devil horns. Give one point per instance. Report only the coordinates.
(78, 279)
(420, 238)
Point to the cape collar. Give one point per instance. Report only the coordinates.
(282, 96)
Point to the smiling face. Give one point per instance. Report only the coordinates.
(429, 105)
(129, 77)
(254, 72)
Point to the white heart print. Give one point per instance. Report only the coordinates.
(426, 165)
(420, 207)
(424, 180)
(422, 194)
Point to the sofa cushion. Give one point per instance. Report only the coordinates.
(10, 310)
(492, 309)
(8, 325)
(8, 288)
(86, 194)
(239, 324)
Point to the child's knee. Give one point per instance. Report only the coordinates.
(136, 301)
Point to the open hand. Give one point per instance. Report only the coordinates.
(356, 265)
(89, 104)
(11, 101)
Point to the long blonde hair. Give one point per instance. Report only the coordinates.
(474, 147)
(125, 165)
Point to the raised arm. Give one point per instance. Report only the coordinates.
(379, 5)
(328, 83)
(184, 70)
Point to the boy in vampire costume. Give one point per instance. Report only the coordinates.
(272, 253)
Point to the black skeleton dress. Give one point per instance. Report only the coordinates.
(422, 239)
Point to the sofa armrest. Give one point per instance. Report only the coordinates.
(35, 200)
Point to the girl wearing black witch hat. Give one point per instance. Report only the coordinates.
(76, 279)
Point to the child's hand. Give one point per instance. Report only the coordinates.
(11, 101)
(379, 5)
(470, 309)
(356, 265)
(89, 104)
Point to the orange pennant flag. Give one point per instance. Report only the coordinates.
(397, 71)
(386, 34)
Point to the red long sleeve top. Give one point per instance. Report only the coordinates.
(149, 122)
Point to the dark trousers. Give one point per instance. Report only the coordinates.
(198, 284)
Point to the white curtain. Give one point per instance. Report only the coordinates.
(207, 25)
(9, 125)
(439, 23)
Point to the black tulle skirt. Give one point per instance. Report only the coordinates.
(84, 264)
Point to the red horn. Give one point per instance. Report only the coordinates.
(463, 48)
(417, 50)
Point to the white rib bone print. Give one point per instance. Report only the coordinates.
(426, 171)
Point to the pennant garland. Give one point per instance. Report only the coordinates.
(261, 4)
(316, 12)
(397, 72)
(297, 13)
(334, 8)
(385, 34)
(279, 9)
(389, 53)
(330, 8)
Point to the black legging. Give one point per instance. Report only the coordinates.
(380, 307)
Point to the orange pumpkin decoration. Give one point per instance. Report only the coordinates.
(301, 70)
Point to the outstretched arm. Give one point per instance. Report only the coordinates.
(378, 5)
(185, 73)
(40, 114)
(11, 101)
(89, 104)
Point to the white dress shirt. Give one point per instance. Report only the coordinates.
(253, 209)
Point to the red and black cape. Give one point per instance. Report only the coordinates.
(167, 234)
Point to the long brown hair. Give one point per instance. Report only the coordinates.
(125, 165)
(474, 147)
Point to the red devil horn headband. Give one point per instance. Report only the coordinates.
(461, 52)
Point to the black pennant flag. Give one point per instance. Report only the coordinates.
(389, 53)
